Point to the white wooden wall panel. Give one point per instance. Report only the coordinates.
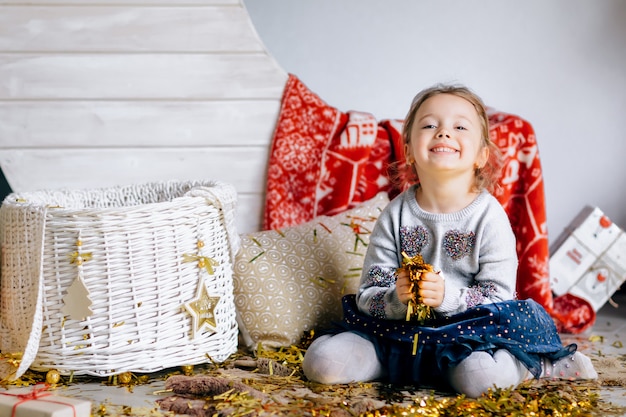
(126, 28)
(238, 166)
(123, 2)
(108, 92)
(138, 76)
(95, 124)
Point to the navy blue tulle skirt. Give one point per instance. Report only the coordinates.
(422, 354)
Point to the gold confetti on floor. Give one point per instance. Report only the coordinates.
(271, 383)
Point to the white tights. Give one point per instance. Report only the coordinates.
(347, 357)
(480, 371)
(340, 359)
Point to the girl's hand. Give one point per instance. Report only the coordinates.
(431, 289)
(404, 287)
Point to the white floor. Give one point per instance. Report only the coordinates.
(607, 337)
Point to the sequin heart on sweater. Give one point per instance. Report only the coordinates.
(413, 239)
(458, 244)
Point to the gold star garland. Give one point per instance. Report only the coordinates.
(202, 308)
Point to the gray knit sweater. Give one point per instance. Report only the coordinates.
(474, 248)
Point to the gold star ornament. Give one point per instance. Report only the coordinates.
(202, 310)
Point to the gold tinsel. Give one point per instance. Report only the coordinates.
(415, 266)
(538, 398)
(298, 397)
(543, 398)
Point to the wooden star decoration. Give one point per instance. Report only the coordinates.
(202, 310)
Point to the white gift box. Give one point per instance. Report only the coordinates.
(590, 259)
(33, 402)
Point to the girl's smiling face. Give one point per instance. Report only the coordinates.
(446, 137)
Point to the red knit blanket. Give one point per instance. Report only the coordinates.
(324, 161)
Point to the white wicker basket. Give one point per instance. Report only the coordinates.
(139, 250)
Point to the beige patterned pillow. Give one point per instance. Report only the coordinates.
(290, 281)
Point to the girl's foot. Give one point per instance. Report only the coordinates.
(577, 366)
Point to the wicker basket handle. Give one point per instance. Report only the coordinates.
(29, 318)
(223, 196)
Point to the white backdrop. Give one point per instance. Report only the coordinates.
(560, 64)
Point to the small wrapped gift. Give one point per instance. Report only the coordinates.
(589, 258)
(38, 402)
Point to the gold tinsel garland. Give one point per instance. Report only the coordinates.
(539, 398)
(415, 266)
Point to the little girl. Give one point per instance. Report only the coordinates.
(481, 336)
